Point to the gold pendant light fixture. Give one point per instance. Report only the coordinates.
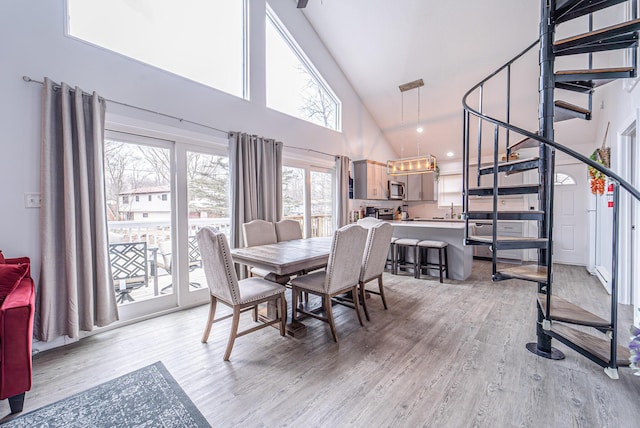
(418, 164)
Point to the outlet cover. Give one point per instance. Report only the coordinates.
(32, 200)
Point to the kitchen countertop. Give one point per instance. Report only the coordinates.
(429, 224)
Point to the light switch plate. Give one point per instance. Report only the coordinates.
(32, 200)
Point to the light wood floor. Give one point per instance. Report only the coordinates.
(443, 355)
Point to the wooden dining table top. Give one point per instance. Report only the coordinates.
(286, 257)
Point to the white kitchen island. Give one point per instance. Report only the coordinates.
(451, 232)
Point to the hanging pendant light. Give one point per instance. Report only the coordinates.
(417, 164)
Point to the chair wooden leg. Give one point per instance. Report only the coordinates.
(326, 299)
(294, 299)
(417, 268)
(381, 287)
(283, 315)
(356, 305)
(255, 313)
(212, 314)
(364, 301)
(234, 332)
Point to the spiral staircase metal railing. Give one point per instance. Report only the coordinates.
(555, 316)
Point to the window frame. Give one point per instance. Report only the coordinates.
(245, 54)
(281, 29)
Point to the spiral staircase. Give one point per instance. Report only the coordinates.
(557, 318)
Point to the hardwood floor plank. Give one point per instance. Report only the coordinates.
(442, 355)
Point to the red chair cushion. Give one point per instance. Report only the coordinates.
(10, 277)
(2, 260)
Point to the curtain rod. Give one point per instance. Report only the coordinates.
(311, 150)
(30, 80)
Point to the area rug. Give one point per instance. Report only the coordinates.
(148, 397)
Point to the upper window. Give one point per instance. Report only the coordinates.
(294, 86)
(201, 40)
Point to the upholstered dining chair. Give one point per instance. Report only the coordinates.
(374, 262)
(261, 232)
(288, 230)
(240, 295)
(368, 222)
(341, 275)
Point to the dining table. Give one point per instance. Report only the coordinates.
(286, 258)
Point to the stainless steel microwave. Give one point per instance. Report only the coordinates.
(396, 189)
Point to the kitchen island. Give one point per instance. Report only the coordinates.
(451, 232)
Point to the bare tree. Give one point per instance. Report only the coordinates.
(319, 106)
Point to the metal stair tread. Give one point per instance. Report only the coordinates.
(514, 165)
(566, 111)
(564, 311)
(601, 348)
(508, 242)
(599, 34)
(517, 189)
(506, 215)
(533, 273)
(572, 107)
(571, 9)
(594, 74)
(525, 143)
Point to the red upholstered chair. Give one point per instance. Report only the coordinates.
(17, 301)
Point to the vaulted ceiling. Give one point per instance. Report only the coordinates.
(451, 45)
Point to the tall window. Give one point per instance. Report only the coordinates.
(294, 86)
(201, 40)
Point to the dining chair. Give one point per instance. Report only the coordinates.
(368, 222)
(287, 230)
(261, 232)
(374, 262)
(341, 275)
(240, 295)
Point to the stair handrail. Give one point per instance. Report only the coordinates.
(584, 159)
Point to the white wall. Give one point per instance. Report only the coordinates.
(33, 43)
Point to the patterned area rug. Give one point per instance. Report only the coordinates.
(148, 397)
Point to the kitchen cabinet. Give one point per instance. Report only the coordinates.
(421, 187)
(370, 180)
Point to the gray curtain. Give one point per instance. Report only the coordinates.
(342, 191)
(75, 292)
(255, 166)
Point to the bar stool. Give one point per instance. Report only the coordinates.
(406, 244)
(426, 245)
(389, 262)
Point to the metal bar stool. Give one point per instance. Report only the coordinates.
(405, 245)
(390, 259)
(425, 246)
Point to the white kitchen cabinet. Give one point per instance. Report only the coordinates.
(370, 180)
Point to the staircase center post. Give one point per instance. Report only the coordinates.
(545, 119)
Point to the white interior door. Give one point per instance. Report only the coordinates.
(570, 215)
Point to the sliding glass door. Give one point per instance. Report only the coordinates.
(140, 218)
(159, 194)
(308, 197)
